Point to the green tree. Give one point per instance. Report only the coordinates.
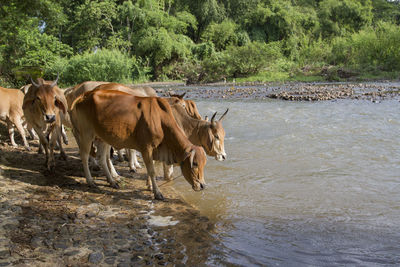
(340, 16)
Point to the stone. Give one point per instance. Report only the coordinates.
(110, 260)
(138, 248)
(60, 245)
(4, 254)
(95, 257)
(159, 256)
(71, 253)
(109, 253)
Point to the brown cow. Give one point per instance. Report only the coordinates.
(72, 93)
(42, 105)
(209, 135)
(11, 101)
(142, 123)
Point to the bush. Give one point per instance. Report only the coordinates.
(102, 65)
(371, 48)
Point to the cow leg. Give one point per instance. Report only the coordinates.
(31, 132)
(148, 160)
(64, 135)
(53, 141)
(84, 142)
(168, 170)
(43, 143)
(110, 165)
(11, 133)
(84, 150)
(103, 151)
(130, 153)
(120, 155)
(59, 130)
(21, 131)
(135, 160)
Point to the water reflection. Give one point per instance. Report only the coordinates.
(309, 183)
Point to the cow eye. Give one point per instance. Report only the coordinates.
(195, 164)
(216, 137)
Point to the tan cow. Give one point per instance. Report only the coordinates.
(209, 135)
(142, 123)
(44, 105)
(72, 93)
(11, 101)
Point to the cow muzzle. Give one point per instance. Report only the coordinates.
(199, 186)
(49, 118)
(220, 157)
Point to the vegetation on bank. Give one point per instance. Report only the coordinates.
(199, 40)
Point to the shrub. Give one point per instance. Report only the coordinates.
(371, 48)
(101, 65)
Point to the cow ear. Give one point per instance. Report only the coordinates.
(60, 105)
(190, 155)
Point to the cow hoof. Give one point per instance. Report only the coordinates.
(65, 141)
(138, 166)
(96, 168)
(63, 156)
(132, 170)
(93, 185)
(115, 185)
(158, 196)
(51, 168)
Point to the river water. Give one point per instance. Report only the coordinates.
(304, 183)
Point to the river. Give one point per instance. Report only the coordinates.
(304, 183)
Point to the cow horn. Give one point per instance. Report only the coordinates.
(223, 115)
(182, 95)
(213, 117)
(55, 82)
(192, 153)
(32, 82)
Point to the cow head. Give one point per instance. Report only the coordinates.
(47, 100)
(215, 138)
(189, 105)
(192, 110)
(193, 167)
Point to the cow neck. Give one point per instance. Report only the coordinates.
(176, 141)
(194, 129)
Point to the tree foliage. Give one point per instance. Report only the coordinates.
(198, 40)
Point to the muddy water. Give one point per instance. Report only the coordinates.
(305, 183)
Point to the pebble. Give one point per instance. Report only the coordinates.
(71, 253)
(110, 260)
(95, 257)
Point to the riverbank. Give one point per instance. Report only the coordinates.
(292, 91)
(57, 220)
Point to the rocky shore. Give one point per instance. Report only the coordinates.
(373, 91)
(56, 220)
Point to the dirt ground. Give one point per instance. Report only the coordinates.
(55, 219)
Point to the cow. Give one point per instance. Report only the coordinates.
(25, 89)
(11, 112)
(44, 107)
(189, 105)
(72, 93)
(145, 124)
(209, 135)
